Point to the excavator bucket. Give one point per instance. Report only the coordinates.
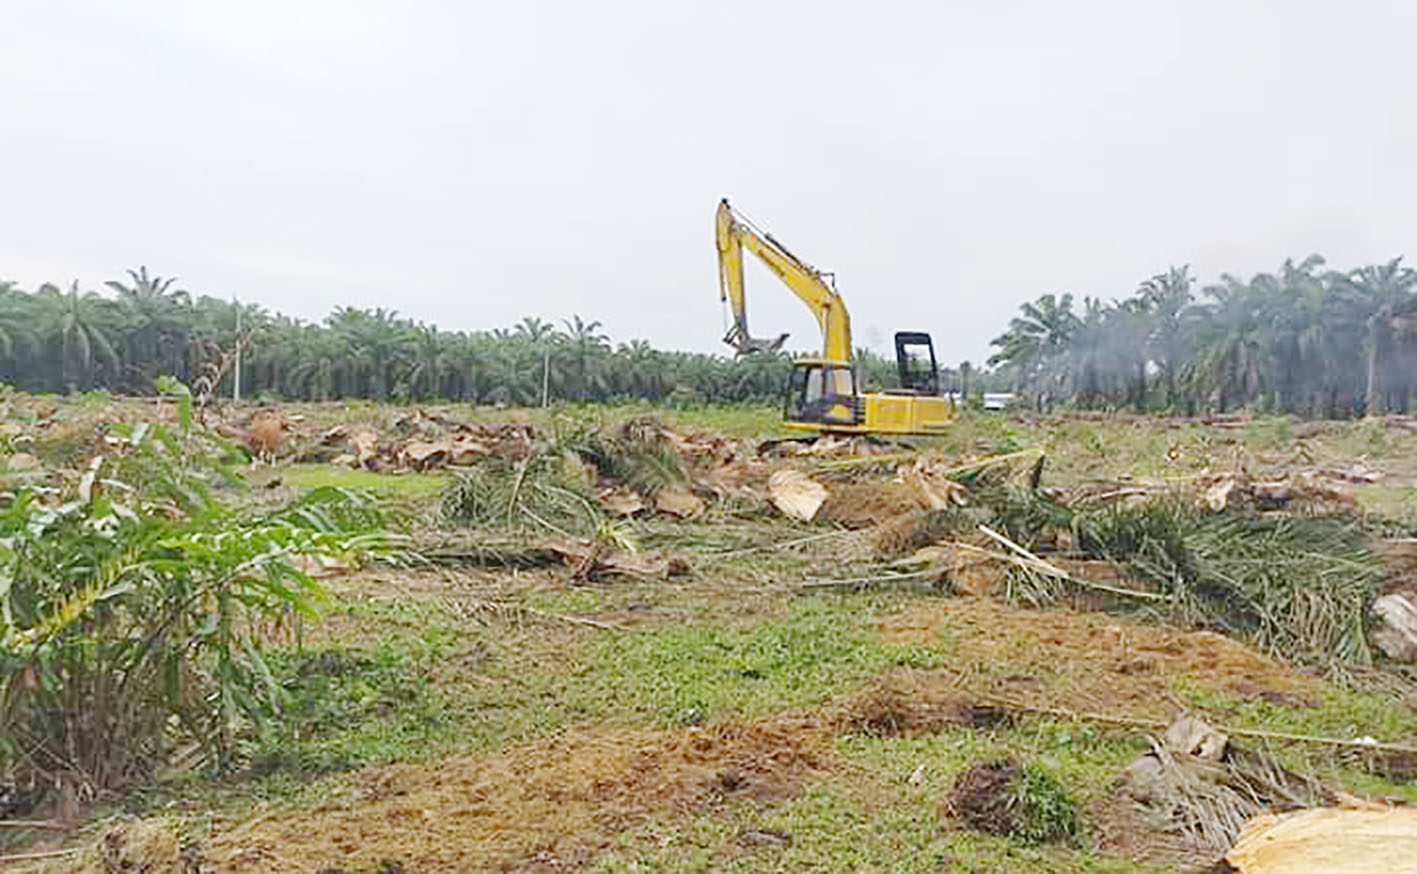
(745, 345)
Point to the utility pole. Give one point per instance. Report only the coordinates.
(545, 376)
(236, 382)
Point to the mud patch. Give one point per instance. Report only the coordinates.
(863, 504)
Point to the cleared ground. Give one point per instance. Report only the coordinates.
(768, 707)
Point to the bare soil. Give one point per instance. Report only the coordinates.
(556, 803)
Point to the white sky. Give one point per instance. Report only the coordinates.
(469, 163)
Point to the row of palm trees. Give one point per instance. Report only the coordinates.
(1302, 339)
(65, 340)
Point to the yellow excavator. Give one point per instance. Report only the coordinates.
(822, 392)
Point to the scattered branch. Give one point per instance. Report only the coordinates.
(43, 824)
(1033, 562)
(862, 582)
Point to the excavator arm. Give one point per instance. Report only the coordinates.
(735, 234)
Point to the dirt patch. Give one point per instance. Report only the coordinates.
(904, 702)
(557, 802)
(983, 798)
(863, 504)
(1084, 661)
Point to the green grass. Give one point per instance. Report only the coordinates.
(760, 421)
(348, 707)
(433, 684)
(1269, 433)
(512, 686)
(701, 672)
(1397, 502)
(1337, 711)
(428, 684)
(411, 484)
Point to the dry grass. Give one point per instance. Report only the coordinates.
(560, 801)
(1085, 661)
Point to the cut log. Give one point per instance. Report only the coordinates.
(1336, 840)
(796, 494)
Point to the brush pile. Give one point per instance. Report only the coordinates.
(1294, 586)
(1202, 788)
(1268, 549)
(572, 480)
(1295, 582)
(419, 442)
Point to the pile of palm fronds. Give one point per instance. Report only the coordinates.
(1206, 788)
(545, 490)
(554, 488)
(1295, 586)
(634, 454)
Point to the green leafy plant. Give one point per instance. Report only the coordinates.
(134, 605)
(1048, 812)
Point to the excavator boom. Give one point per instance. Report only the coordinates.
(736, 233)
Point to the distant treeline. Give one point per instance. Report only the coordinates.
(1302, 340)
(142, 327)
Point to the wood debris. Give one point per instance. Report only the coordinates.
(1395, 632)
(678, 501)
(620, 501)
(1358, 838)
(591, 560)
(797, 495)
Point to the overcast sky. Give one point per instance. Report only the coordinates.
(469, 163)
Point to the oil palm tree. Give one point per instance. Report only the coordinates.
(1226, 371)
(587, 347)
(1166, 296)
(81, 329)
(1036, 343)
(378, 346)
(158, 322)
(19, 343)
(1376, 295)
(1089, 354)
(429, 362)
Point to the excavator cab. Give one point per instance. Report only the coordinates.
(822, 393)
(915, 363)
